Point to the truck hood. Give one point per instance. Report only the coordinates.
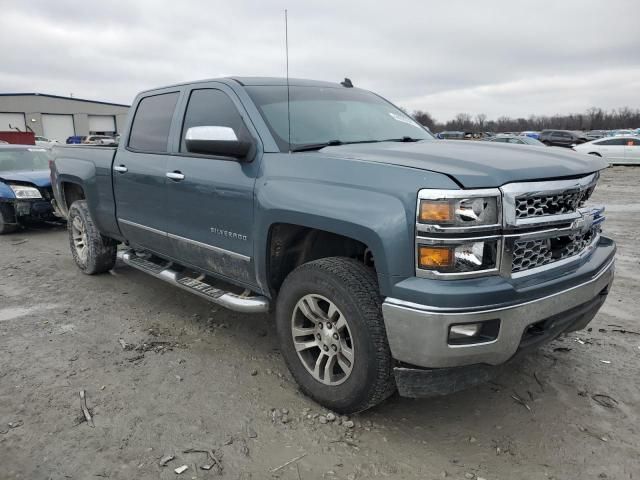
(475, 164)
(39, 178)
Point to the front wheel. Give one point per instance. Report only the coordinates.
(92, 252)
(332, 334)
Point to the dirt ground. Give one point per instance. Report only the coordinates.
(165, 372)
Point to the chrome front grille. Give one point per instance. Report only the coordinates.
(556, 204)
(535, 253)
(548, 222)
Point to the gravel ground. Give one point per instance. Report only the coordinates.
(165, 372)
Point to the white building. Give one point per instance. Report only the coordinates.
(58, 117)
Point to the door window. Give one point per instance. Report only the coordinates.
(612, 142)
(152, 122)
(211, 107)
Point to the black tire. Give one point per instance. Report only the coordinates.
(100, 253)
(7, 219)
(353, 288)
(547, 143)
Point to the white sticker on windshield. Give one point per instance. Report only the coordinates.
(403, 119)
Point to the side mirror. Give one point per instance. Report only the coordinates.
(212, 140)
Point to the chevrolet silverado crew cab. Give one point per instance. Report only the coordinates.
(392, 260)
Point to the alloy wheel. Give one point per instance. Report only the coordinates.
(322, 339)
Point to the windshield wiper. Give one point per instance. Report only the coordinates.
(403, 139)
(317, 146)
(334, 143)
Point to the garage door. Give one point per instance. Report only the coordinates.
(9, 122)
(102, 124)
(57, 127)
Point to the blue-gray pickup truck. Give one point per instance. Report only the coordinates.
(392, 260)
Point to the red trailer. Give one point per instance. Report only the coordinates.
(20, 138)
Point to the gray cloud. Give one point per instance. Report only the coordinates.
(496, 57)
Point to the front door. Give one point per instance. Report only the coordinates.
(139, 176)
(210, 199)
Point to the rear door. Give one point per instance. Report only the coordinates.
(557, 138)
(210, 204)
(139, 176)
(632, 150)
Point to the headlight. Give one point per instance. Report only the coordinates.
(458, 256)
(21, 191)
(458, 232)
(459, 212)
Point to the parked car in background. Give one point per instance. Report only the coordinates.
(451, 135)
(595, 134)
(45, 142)
(75, 139)
(25, 186)
(516, 140)
(99, 140)
(530, 133)
(622, 133)
(561, 138)
(616, 150)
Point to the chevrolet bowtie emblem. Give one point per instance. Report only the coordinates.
(584, 223)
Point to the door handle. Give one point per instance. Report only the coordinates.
(120, 168)
(176, 175)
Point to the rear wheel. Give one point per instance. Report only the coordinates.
(332, 334)
(92, 252)
(7, 219)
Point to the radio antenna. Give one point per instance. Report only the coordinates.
(286, 47)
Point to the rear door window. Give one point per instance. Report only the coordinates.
(152, 122)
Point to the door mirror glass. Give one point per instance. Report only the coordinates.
(215, 140)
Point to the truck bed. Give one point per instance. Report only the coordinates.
(89, 166)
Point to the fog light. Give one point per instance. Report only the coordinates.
(464, 331)
(474, 333)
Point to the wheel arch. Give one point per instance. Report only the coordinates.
(291, 245)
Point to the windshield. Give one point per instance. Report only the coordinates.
(23, 159)
(533, 141)
(322, 115)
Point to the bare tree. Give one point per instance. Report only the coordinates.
(593, 119)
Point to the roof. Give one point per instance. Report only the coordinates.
(31, 94)
(254, 81)
(281, 81)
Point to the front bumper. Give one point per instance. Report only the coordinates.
(33, 208)
(418, 334)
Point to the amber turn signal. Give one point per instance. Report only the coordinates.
(435, 257)
(436, 211)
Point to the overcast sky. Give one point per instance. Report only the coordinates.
(512, 58)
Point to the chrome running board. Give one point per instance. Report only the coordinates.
(232, 301)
